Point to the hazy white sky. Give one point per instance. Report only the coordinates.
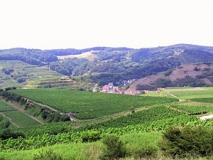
(53, 24)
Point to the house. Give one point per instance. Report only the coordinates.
(105, 88)
(115, 88)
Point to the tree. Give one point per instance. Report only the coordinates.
(160, 82)
(114, 148)
(184, 142)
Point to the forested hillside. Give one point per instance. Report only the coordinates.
(104, 64)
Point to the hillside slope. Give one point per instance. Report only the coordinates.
(201, 72)
(104, 64)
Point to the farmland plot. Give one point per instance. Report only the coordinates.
(89, 105)
(20, 118)
(5, 107)
(191, 93)
(195, 109)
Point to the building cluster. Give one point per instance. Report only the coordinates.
(110, 88)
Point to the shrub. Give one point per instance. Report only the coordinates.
(90, 136)
(48, 155)
(168, 73)
(114, 148)
(184, 142)
(7, 133)
(145, 152)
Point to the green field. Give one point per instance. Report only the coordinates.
(5, 107)
(90, 105)
(142, 117)
(20, 118)
(194, 109)
(191, 93)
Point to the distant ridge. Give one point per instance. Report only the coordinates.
(107, 64)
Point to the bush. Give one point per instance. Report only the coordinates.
(114, 148)
(144, 87)
(90, 136)
(145, 152)
(185, 142)
(48, 155)
(7, 133)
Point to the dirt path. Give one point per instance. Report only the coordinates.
(10, 120)
(177, 109)
(72, 118)
(16, 106)
(180, 100)
(44, 105)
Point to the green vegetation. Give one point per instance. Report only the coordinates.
(192, 92)
(155, 127)
(88, 105)
(161, 124)
(187, 142)
(142, 117)
(206, 100)
(114, 149)
(17, 72)
(5, 107)
(4, 122)
(7, 134)
(120, 63)
(20, 118)
(195, 109)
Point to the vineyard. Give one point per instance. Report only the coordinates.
(195, 109)
(41, 140)
(206, 100)
(88, 105)
(139, 124)
(191, 93)
(142, 117)
(20, 118)
(5, 107)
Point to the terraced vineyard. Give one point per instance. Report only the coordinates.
(90, 105)
(33, 74)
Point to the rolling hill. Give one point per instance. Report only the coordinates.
(101, 65)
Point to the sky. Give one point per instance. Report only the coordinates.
(60, 24)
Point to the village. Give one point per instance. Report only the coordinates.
(110, 88)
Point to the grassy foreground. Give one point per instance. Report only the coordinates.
(136, 144)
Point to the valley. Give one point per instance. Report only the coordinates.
(148, 103)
